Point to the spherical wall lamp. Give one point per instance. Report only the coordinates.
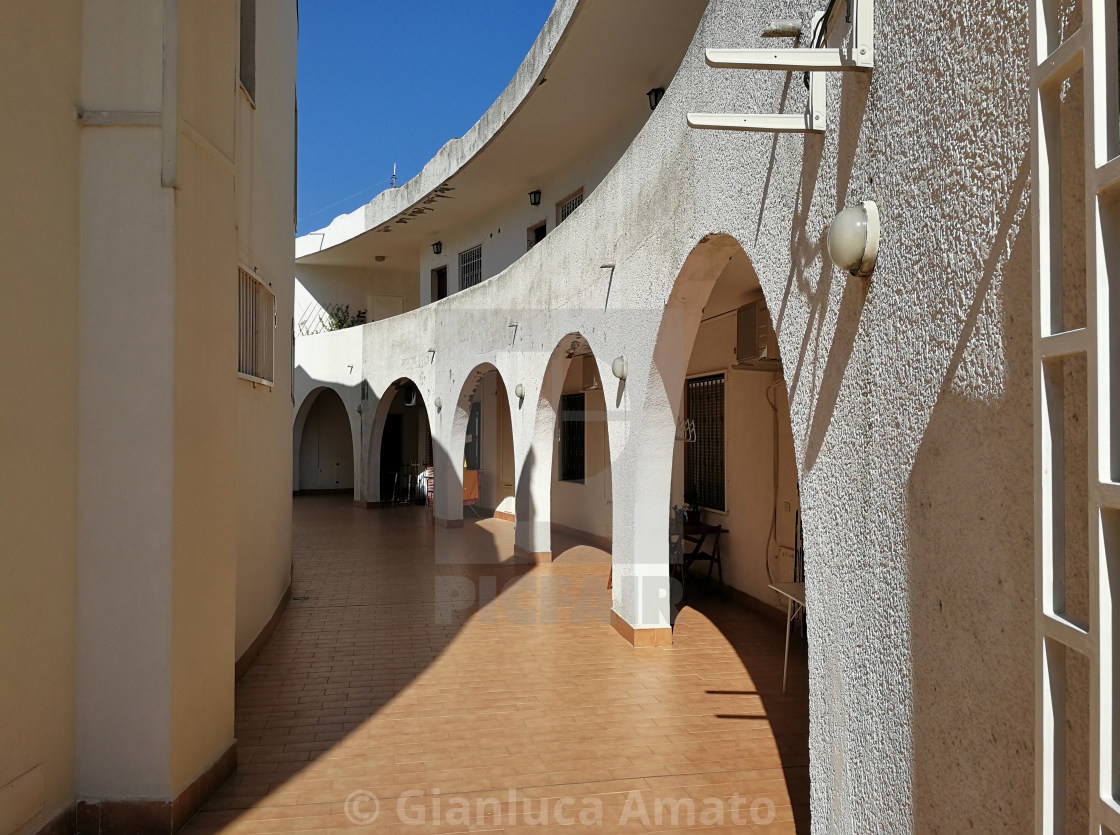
(439, 405)
(618, 367)
(853, 238)
(437, 247)
(519, 390)
(535, 197)
(655, 95)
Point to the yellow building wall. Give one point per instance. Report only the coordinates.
(205, 516)
(39, 138)
(234, 205)
(266, 229)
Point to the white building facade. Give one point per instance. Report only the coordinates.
(902, 424)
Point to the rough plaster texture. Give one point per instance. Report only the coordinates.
(909, 394)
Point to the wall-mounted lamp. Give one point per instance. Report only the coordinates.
(535, 197)
(519, 390)
(853, 238)
(437, 247)
(655, 96)
(618, 367)
(439, 405)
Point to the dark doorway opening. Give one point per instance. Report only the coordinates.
(439, 284)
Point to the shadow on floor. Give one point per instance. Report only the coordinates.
(422, 660)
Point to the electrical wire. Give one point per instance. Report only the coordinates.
(820, 32)
(772, 536)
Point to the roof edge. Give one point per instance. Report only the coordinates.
(455, 153)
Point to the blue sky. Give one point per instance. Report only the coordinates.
(383, 82)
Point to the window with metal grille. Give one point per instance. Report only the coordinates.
(571, 437)
(470, 267)
(703, 458)
(568, 205)
(257, 323)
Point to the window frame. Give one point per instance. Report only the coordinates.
(691, 447)
(248, 278)
(245, 38)
(567, 435)
(459, 277)
(560, 204)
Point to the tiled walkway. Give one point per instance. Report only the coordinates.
(385, 677)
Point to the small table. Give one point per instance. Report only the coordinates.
(795, 597)
(697, 533)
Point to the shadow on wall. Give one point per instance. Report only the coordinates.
(824, 375)
(971, 560)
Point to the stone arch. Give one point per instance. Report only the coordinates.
(642, 593)
(385, 402)
(449, 458)
(324, 403)
(536, 483)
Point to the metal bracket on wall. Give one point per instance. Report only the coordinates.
(859, 55)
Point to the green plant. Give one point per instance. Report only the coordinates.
(338, 317)
(331, 317)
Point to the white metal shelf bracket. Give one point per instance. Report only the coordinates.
(858, 55)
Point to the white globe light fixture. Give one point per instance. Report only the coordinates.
(853, 238)
(618, 367)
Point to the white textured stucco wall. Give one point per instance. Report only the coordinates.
(909, 394)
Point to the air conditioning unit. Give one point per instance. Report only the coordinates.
(757, 348)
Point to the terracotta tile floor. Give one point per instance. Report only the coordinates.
(385, 677)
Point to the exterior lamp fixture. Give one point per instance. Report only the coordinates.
(437, 247)
(439, 405)
(618, 367)
(655, 96)
(519, 390)
(535, 197)
(853, 238)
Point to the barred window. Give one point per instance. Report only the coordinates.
(257, 323)
(568, 205)
(571, 437)
(703, 459)
(470, 267)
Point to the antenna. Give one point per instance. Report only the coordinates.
(393, 182)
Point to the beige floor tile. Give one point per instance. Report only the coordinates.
(388, 677)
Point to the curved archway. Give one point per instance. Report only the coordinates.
(323, 443)
(565, 482)
(717, 433)
(401, 449)
(484, 477)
